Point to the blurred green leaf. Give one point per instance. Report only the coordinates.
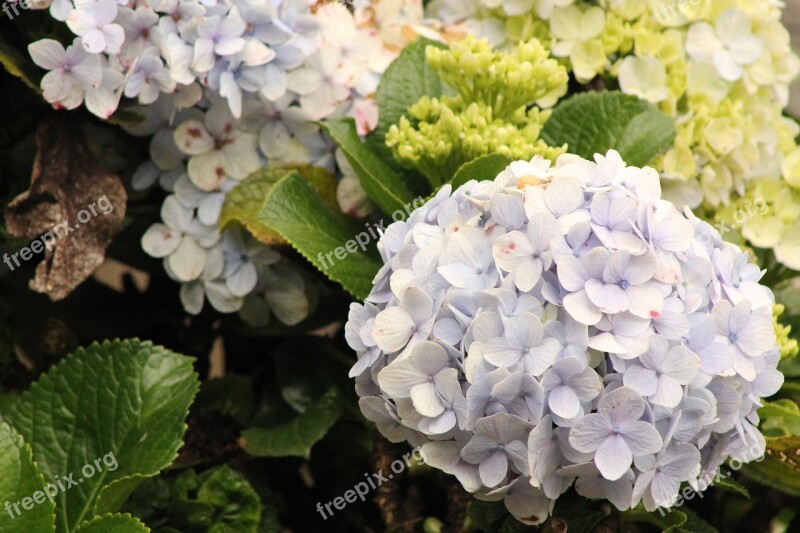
(780, 468)
(295, 438)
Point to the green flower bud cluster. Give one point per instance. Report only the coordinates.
(448, 134)
(490, 114)
(788, 346)
(505, 81)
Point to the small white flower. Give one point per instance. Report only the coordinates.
(94, 23)
(730, 46)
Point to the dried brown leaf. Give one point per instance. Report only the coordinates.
(66, 180)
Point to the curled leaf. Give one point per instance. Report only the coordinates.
(73, 203)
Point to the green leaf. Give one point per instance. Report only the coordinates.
(20, 479)
(19, 65)
(125, 118)
(295, 438)
(486, 515)
(109, 415)
(486, 167)
(244, 202)
(407, 79)
(782, 415)
(595, 122)
(780, 468)
(297, 213)
(733, 486)
(236, 503)
(118, 523)
(386, 188)
(669, 521)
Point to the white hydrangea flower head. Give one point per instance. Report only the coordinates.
(565, 324)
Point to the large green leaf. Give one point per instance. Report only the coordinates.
(295, 438)
(386, 188)
(780, 468)
(486, 167)
(20, 480)
(297, 213)
(407, 79)
(117, 408)
(595, 122)
(244, 202)
(116, 523)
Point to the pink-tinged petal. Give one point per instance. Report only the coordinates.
(646, 300)
(192, 138)
(613, 458)
(590, 432)
(228, 47)
(203, 59)
(393, 329)
(102, 102)
(160, 241)
(207, 170)
(582, 309)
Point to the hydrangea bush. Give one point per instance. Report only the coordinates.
(572, 226)
(566, 324)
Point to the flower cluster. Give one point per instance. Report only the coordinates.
(561, 325)
(723, 69)
(223, 89)
(490, 113)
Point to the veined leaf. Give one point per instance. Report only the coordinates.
(118, 523)
(325, 238)
(386, 188)
(295, 438)
(595, 122)
(20, 480)
(107, 417)
(245, 201)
